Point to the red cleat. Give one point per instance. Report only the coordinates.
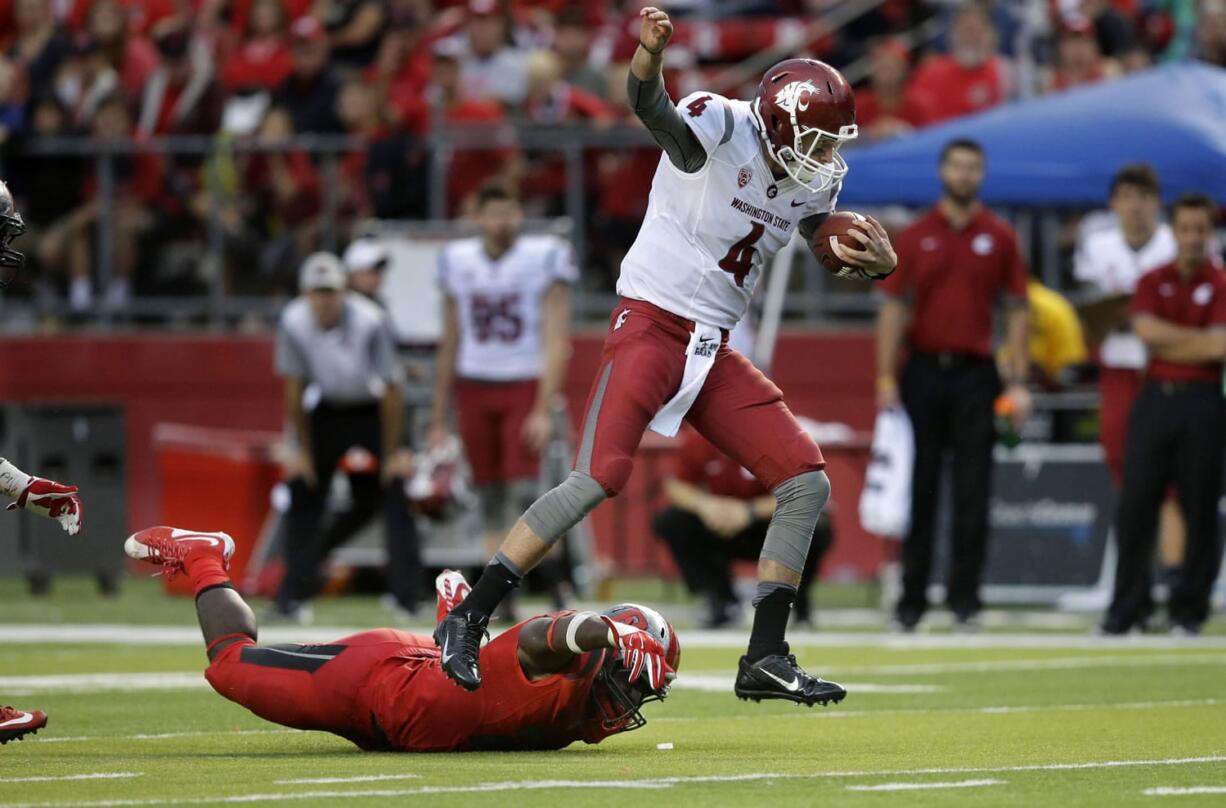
(15, 724)
(451, 588)
(168, 546)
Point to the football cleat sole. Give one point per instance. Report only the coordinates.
(766, 695)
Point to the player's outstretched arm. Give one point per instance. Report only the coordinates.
(549, 645)
(43, 497)
(650, 102)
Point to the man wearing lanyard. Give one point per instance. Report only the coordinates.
(1177, 428)
(343, 401)
(954, 263)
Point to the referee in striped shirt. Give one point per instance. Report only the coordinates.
(344, 402)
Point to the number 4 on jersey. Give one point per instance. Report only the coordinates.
(698, 105)
(739, 259)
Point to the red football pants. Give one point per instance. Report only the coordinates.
(739, 410)
(491, 421)
(325, 687)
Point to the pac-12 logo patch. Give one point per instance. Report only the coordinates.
(743, 177)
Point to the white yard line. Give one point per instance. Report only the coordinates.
(160, 736)
(654, 783)
(122, 634)
(721, 682)
(101, 682)
(920, 786)
(1182, 791)
(1054, 663)
(63, 777)
(366, 778)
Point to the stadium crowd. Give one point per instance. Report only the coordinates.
(390, 73)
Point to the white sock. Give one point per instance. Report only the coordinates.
(12, 479)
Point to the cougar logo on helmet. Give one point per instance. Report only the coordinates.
(795, 96)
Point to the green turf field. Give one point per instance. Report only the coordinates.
(999, 719)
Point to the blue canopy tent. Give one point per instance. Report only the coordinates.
(1063, 149)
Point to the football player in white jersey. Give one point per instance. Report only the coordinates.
(43, 497)
(735, 181)
(502, 358)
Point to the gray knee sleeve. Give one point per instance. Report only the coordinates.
(798, 503)
(563, 507)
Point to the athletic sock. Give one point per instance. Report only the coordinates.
(495, 583)
(772, 605)
(206, 569)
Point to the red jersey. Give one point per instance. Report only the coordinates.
(953, 90)
(1195, 302)
(418, 709)
(954, 278)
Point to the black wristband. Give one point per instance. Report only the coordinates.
(649, 50)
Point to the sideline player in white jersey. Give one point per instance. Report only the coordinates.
(43, 497)
(506, 339)
(736, 179)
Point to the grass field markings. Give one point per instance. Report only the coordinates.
(919, 786)
(363, 778)
(162, 736)
(64, 777)
(189, 634)
(1182, 791)
(1053, 663)
(718, 683)
(98, 682)
(654, 783)
(995, 710)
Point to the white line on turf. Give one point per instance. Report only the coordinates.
(125, 634)
(1181, 791)
(365, 778)
(919, 786)
(161, 736)
(995, 710)
(1055, 663)
(719, 683)
(62, 777)
(100, 682)
(655, 783)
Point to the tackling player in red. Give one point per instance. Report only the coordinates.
(736, 181)
(560, 678)
(43, 497)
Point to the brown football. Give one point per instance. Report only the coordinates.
(837, 225)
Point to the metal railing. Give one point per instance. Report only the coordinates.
(812, 295)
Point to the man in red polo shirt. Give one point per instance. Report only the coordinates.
(954, 264)
(718, 512)
(1177, 429)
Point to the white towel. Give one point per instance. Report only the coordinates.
(699, 358)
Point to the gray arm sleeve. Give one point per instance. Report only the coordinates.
(654, 108)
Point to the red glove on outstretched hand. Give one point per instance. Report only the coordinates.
(53, 500)
(642, 654)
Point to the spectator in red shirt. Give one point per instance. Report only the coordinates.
(972, 77)
(1078, 59)
(131, 54)
(1177, 427)
(469, 169)
(718, 513)
(261, 60)
(954, 264)
(181, 97)
(884, 108)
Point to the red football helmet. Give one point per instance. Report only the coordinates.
(806, 109)
(618, 700)
(438, 487)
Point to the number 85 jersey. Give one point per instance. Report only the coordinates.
(707, 235)
(499, 303)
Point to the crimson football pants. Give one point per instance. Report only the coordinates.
(324, 687)
(739, 410)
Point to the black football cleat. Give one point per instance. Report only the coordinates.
(459, 637)
(779, 677)
(16, 724)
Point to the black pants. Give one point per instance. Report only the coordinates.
(1176, 434)
(704, 557)
(334, 431)
(949, 399)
